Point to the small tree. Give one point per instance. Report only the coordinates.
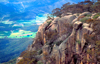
(57, 12)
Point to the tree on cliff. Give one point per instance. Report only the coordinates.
(57, 12)
(84, 6)
(96, 6)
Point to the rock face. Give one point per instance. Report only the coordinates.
(49, 31)
(62, 40)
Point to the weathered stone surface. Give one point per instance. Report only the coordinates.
(77, 25)
(60, 29)
(74, 21)
(69, 18)
(75, 14)
(85, 25)
(46, 49)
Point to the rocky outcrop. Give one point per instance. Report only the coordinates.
(50, 32)
(62, 40)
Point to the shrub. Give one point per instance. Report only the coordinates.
(39, 62)
(96, 16)
(28, 57)
(89, 15)
(55, 30)
(90, 20)
(49, 22)
(96, 27)
(78, 41)
(85, 14)
(84, 19)
(93, 40)
(97, 50)
(29, 54)
(89, 51)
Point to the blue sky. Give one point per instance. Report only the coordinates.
(28, 9)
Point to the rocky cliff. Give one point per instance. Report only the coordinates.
(62, 40)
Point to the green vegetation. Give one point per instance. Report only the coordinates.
(84, 19)
(55, 30)
(89, 51)
(57, 12)
(49, 22)
(28, 57)
(90, 20)
(78, 41)
(39, 62)
(84, 6)
(96, 16)
(93, 42)
(89, 15)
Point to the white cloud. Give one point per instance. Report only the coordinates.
(7, 22)
(22, 5)
(5, 16)
(18, 25)
(38, 23)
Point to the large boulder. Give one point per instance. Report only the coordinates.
(59, 27)
(85, 25)
(77, 25)
(50, 30)
(74, 21)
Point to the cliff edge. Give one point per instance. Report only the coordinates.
(65, 40)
